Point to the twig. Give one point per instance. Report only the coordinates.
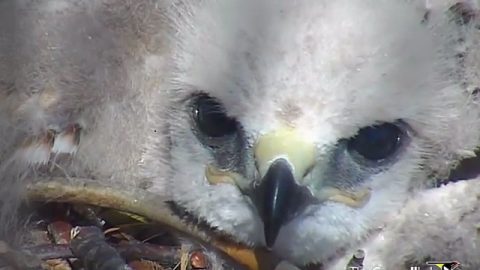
(50, 251)
(17, 259)
(89, 245)
(143, 203)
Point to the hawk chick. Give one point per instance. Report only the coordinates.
(297, 125)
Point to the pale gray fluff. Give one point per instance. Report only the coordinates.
(123, 69)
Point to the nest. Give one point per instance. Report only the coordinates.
(80, 224)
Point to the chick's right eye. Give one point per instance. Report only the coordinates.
(211, 119)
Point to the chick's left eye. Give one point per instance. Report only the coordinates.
(376, 142)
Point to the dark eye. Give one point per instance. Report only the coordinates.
(377, 142)
(211, 119)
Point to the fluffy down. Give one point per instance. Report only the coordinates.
(115, 73)
(436, 225)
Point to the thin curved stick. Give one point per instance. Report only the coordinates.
(140, 202)
(93, 192)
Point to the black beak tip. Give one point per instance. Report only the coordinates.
(278, 199)
(271, 232)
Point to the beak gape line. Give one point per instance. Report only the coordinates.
(283, 158)
(279, 199)
(216, 176)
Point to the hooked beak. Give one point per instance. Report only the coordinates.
(283, 159)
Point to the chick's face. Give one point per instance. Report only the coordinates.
(303, 125)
